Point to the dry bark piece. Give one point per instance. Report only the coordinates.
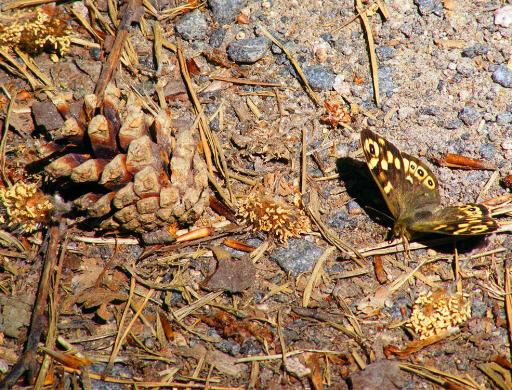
(378, 376)
(231, 275)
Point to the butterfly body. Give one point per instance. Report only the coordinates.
(411, 192)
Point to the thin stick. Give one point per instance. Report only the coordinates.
(312, 94)
(315, 275)
(131, 13)
(304, 162)
(247, 82)
(4, 135)
(371, 49)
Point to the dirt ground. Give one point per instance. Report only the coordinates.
(242, 125)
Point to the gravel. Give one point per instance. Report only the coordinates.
(192, 26)
(249, 50)
(300, 256)
(503, 76)
(469, 115)
(320, 77)
(225, 11)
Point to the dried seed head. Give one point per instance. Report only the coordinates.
(46, 31)
(436, 312)
(25, 206)
(276, 218)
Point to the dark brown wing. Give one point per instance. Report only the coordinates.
(406, 184)
(465, 220)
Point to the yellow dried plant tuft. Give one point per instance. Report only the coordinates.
(434, 313)
(45, 30)
(25, 206)
(280, 220)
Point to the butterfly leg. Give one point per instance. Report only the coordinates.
(405, 243)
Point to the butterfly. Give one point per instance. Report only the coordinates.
(411, 192)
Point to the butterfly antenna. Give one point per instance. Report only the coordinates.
(381, 213)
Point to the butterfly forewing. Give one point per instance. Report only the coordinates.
(405, 182)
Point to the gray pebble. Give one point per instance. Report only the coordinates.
(228, 346)
(505, 118)
(338, 220)
(452, 124)
(217, 37)
(225, 11)
(469, 115)
(427, 7)
(300, 256)
(478, 308)
(465, 70)
(386, 82)
(503, 76)
(477, 49)
(192, 26)
(488, 151)
(385, 53)
(248, 51)
(320, 77)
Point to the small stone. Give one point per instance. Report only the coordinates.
(469, 115)
(505, 118)
(404, 112)
(225, 11)
(353, 208)
(477, 49)
(192, 26)
(503, 76)
(320, 77)
(386, 82)
(427, 7)
(300, 256)
(217, 37)
(452, 124)
(488, 151)
(385, 53)
(248, 51)
(503, 16)
(466, 70)
(339, 219)
(478, 308)
(46, 116)
(507, 144)
(452, 66)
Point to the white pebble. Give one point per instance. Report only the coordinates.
(503, 16)
(507, 144)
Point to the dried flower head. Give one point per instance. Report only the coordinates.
(437, 312)
(336, 113)
(276, 218)
(46, 30)
(25, 206)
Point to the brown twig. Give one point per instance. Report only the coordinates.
(132, 13)
(28, 360)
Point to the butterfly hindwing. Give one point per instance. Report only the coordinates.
(464, 220)
(411, 192)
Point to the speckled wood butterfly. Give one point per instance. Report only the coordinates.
(410, 190)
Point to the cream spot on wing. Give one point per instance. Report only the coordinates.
(397, 163)
(387, 189)
(477, 229)
(389, 156)
(438, 227)
(429, 183)
(384, 165)
(463, 225)
(409, 179)
(382, 141)
(372, 163)
(406, 165)
(412, 167)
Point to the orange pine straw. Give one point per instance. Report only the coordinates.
(195, 234)
(238, 245)
(463, 162)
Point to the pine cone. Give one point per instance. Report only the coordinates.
(142, 174)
